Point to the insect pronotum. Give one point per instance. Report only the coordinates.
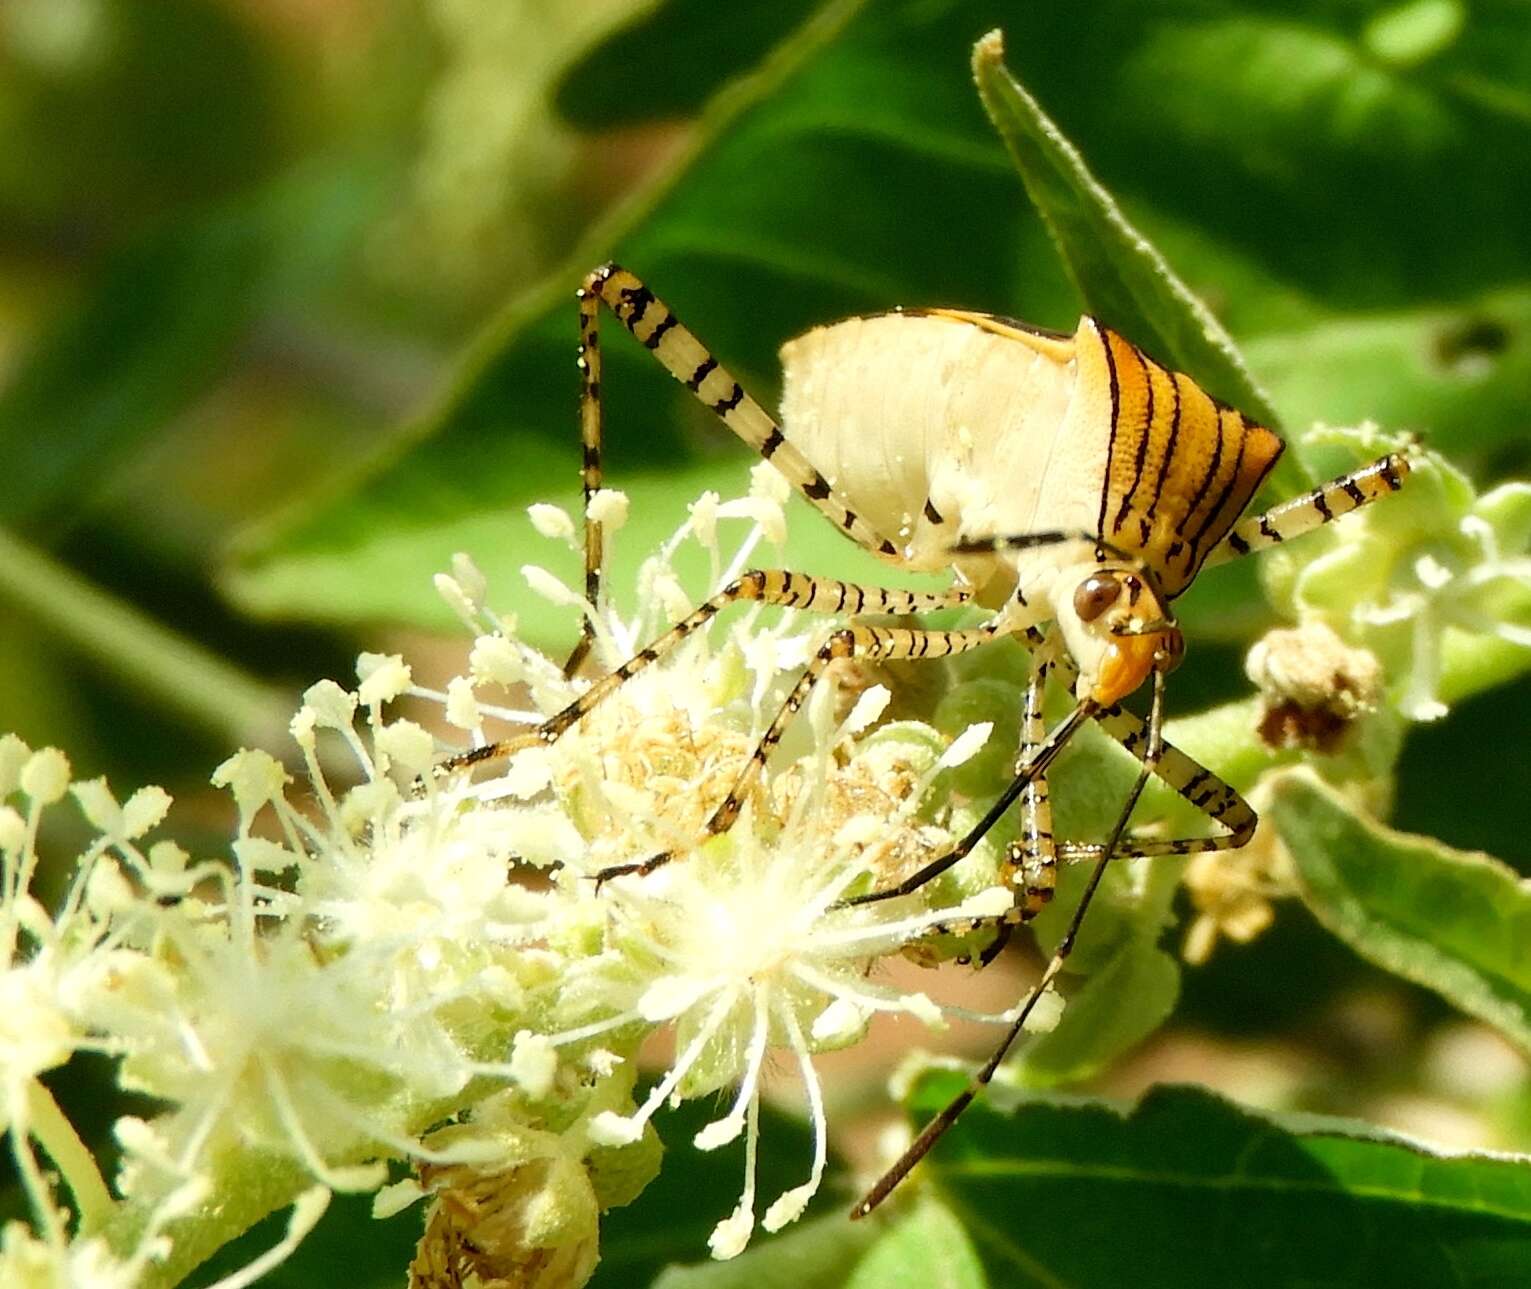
(1070, 480)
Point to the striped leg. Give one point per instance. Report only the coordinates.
(1314, 509)
(1031, 862)
(885, 643)
(1179, 772)
(1030, 865)
(685, 358)
(789, 590)
(937, 1126)
(1030, 767)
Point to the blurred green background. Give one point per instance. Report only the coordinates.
(285, 317)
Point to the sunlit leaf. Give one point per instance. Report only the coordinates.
(1457, 922)
(1121, 277)
(1121, 1003)
(1188, 1190)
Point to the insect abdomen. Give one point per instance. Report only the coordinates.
(930, 424)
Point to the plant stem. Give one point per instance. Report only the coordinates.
(140, 651)
(56, 1135)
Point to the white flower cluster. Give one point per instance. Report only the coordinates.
(415, 948)
(1436, 582)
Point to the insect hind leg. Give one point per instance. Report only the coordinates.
(655, 326)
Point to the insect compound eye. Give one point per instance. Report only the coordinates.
(1095, 595)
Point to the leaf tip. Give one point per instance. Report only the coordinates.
(988, 56)
(990, 47)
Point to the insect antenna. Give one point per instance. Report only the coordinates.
(1042, 537)
(936, 1128)
(1056, 537)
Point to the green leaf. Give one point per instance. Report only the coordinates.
(1458, 371)
(688, 47)
(1454, 921)
(817, 1254)
(921, 1246)
(154, 328)
(503, 543)
(1124, 1001)
(1188, 1190)
(1121, 276)
(926, 1246)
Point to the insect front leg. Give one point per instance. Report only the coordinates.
(1030, 768)
(680, 353)
(1313, 509)
(1183, 775)
(879, 643)
(937, 1126)
(787, 590)
(1031, 860)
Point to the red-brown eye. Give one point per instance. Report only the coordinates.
(1095, 595)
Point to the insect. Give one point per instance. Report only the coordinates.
(1070, 482)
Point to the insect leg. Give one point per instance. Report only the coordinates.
(590, 434)
(1026, 772)
(887, 643)
(1030, 865)
(933, 1131)
(1177, 771)
(789, 590)
(1314, 509)
(681, 354)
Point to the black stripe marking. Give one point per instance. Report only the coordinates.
(704, 369)
(848, 519)
(1142, 454)
(726, 405)
(1239, 545)
(1321, 504)
(771, 442)
(932, 514)
(1222, 498)
(1116, 410)
(1206, 480)
(818, 489)
(656, 335)
(1169, 448)
(1354, 493)
(638, 299)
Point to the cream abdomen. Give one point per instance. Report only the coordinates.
(934, 425)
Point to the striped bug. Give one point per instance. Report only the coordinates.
(1069, 482)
